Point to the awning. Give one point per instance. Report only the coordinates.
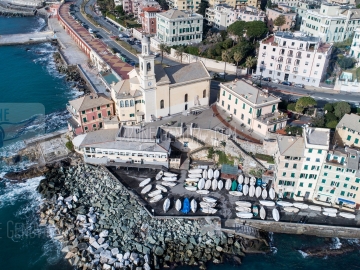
(345, 201)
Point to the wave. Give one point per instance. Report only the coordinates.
(303, 254)
(336, 244)
(41, 24)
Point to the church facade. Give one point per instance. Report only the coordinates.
(153, 92)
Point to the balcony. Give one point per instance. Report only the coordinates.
(72, 111)
(298, 56)
(290, 55)
(295, 71)
(272, 118)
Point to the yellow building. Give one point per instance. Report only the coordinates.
(347, 132)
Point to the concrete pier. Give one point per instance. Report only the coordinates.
(28, 38)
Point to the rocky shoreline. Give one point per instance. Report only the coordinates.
(101, 226)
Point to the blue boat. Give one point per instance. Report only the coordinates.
(234, 185)
(186, 206)
(239, 187)
(259, 182)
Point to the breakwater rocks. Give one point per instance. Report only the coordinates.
(102, 226)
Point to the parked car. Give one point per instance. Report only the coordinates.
(299, 85)
(222, 74)
(255, 77)
(276, 81)
(266, 79)
(156, 54)
(286, 83)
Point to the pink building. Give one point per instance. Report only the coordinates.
(273, 13)
(148, 20)
(88, 113)
(127, 6)
(155, 6)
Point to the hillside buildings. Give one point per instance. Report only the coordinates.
(189, 5)
(293, 57)
(284, 10)
(148, 20)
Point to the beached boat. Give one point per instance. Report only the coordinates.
(210, 173)
(192, 179)
(209, 199)
(195, 175)
(145, 182)
(291, 209)
(154, 193)
(240, 179)
(178, 205)
(315, 207)
(146, 189)
(330, 210)
(246, 180)
(203, 192)
(244, 215)
(159, 175)
(252, 180)
(255, 210)
(267, 203)
(204, 174)
(236, 193)
(207, 204)
(209, 210)
(162, 188)
(186, 206)
(191, 188)
(214, 184)
(169, 178)
(201, 183)
(243, 203)
(258, 192)
(168, 184)
(328, 214)
(264, 194)
(347, 215)
(156, 198)
(284, 204)
(245, 189)
(262, 213)
(193, 205)
(195, 171)
(216, 174)
(275, 214)
(166, 205)
(252, 191)
(239, 187)
(272, 193)
(243, 209)
(220, 184)
(300, 205)
(234, 186)
(228, 184)
(169, 174)
(207, 184)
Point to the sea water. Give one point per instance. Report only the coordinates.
(28, 74)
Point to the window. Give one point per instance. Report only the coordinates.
(244, 105)
(83, 112)
(357, 180)
(235, 111)
(310, 150)
(223, 93)
(228, 107)
(321, 188)
(98, 108)
(342, 193)
(284, 174)
(356, 141)
(301, 184)
(323, 181)
(332, 191)
(249, 121)
(94, 125)
(86, 128)
(229, 97)
(222, 103)
(132, 115)
(84, 120)
(307, 159)
(292, 175)
(348, 138)
(345, 185)
(286, 165)
(186, 98)
(325, 173)
(317, 160)
(294, 166)
(259, 126)
(242, 116)
(121, 103)
(131, 103)
(126, 103)
(310, 185)
(250, 111)
(108, 105)
(99, 115)
(319, 151)
(162, 104)
(204, 94)
(108, 113)
(337, 176)
(306, 167)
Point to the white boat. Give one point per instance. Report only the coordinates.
(169, 178)
(244, 215)
(315, 208)
(195, 171)
(166, 205)
(246, 180)
(209, 199)
(210, 174)
(275, 214)
(243, 203)
(159, 175)
(347, 215)
(195, 175)
(245, 189)
(214, 184)
(207, 184)
(192, 179)
(258, 192)
(264, 194)
(240, 179)
(291, 209)
(203, 192)
(178, 205)
(228, 184)
(252, 191)
(236, 193)
(201, 183)
(243, 209)
(267, 203)
(272, 193)
(220, 185)
(193, 205)
(154, 193)
(191, 188)
(170, 174)
(207, 204)
(209, 210)
(252, 181)
(168, 184)
(300, 205)
(328, 214)
(216, 174)
(330, 210)
(146, 189)
(262, 213)
(145, 182)
(156, 198)
(284, 204)
(204, 174)
(162, 188)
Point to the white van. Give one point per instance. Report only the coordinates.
(91, 31)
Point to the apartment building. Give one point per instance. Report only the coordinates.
(355, 46)
(148, 20)
(284, 10)
(255, 108)
(290, 3)
(175, 27)
(293, 57)
(331, 23)
(347, 131)
(185, 5)
(248, 14)
(231, 3)
(147, 6)
(301, 9)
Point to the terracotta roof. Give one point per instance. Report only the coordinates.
(151, 9)
(89, 102)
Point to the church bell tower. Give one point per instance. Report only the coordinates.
(146, 66)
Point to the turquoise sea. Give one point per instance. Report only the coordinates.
(27, 75)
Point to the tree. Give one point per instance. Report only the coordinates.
(330, 117)
(304, 102)
(163, 48)
(346, 62)
(255, 30)
(238, 56)
(318, 121)
(332, 124)
(180, 52)
(341, 108)
(226, 58)
(294, 130)
(237, 28)
(291, 107)
(329, 107)
(202, 7)
(120, 10)
(280, 21)
(227, 43)
(249, 63)
(268, 4)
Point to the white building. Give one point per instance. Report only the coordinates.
(175, 27)
(331, 23)
(293, 57)
(355, 46)
(189, 5)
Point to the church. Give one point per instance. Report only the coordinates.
(153, 91)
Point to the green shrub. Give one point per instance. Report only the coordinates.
(211, 152)
(291, 107)
(70, 146)
(267, 158)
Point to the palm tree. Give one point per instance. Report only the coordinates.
(226, 58)
(249, 63)
(180, 52)
(238, 56)
(163, 48)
